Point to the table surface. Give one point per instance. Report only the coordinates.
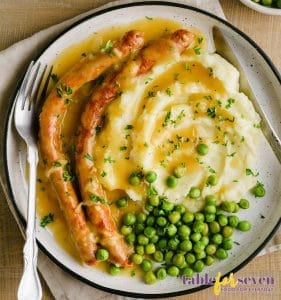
(20, 19)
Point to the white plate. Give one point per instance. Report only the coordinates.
(264, 214)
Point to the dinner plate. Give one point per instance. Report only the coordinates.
(264, 213)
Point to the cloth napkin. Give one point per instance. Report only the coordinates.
(15, 59)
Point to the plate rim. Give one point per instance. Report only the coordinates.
(100, 11)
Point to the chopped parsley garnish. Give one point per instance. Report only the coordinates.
(98, 129)
(151, 94)
(211, 71)
(148, 80)
(68, 90)
(89, 157)
(129, 126)
(103, 174)
(197, 50)
(167, 119)
(258, 125)
(49, 218)
(122, 148)
(66, 176)
(59, 90)
(63, 89)
(57, 164)
(212, 112)
(107, 47)
(208, 97)
(68, 100)
(211, 170)
(54, 77)
(176, 76)
(187, 67)
(249, 172)
(231, 155)
(169, 92)
(109, 160)
(230, 101)
(149, 18)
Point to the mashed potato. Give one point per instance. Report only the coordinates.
(161, 117)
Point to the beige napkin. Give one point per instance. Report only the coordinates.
(15, 59)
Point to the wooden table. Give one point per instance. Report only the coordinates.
(21, 18)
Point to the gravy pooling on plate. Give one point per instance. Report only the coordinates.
(183, 119)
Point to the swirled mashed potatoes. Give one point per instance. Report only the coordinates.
(160, 118)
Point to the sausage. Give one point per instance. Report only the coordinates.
(98, 211)
(50, 144)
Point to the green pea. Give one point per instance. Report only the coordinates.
(210, 218)
(198, 266)
(154, 200)
(244, 226)
(221, 253)
(190, 258)
(209, 260)
(174, 217)
(205, 229)
(204, 240)
(217, 238)
(198, 247)
(169, 256)
(184, 231)
(210, 209)
(142, 239)
(146, 265)
(141, 217)
(278, 3)
(134, 179)
(161, 221)
(148, 207)
(180, 171)
(266, 2)
(214, 227)
(130, 238)
(149, 249)
(149, 277)
(173, 271)
(227, 231)
(210, 200)
(212, 180)
(125, 230)
(158, 212)
(171, 230)
(222, 220)
(158, 256)
(244, 203)
(228, 206)
(178, 260)
(102, 254)
(171, 181)
(180, 208)
(199, 217)
(236, 208)
(122, 202)
(137, 259)
(154, 239)
(139, 228)
(187, 217)
(187, 272)
(202, 149)
(114, 270)
(161, 273)
(162, 244)
(173, 243)
(167, 206)
(150, 176)
(194, 193)
(185, 245)
(233, 221)
(195, 237)
(129, 219)
(198, 226)
(149, 231)
(200, 255)
(219, 211)
(227, 244)
(211, 249)
(161, 231)
(150, 220)
(140, 249)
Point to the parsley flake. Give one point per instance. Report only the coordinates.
(49, 218)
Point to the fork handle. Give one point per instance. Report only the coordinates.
(30, 287)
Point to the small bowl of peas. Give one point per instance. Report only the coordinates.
(269, 7)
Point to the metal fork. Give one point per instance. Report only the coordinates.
(25, 123)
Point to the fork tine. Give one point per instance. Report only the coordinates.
(24, 82)
(30, 85)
